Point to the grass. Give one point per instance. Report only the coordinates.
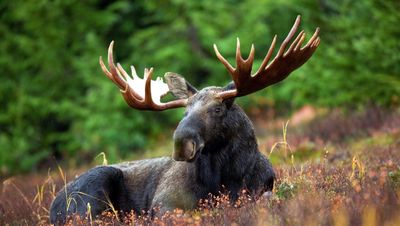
(329, 180)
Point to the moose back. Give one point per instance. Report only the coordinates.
(215, 146)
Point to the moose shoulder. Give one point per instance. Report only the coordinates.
(215, 146)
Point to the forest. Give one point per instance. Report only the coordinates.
(58, 110)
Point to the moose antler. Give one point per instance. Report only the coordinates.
(138, 92)
(280, 67)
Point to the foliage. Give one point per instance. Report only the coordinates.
(56, 102)
(286, 190)
(394, 178)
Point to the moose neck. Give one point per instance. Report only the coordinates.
(227, 157)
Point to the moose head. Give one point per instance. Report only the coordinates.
(207, 110)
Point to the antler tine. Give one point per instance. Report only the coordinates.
(295, 43)
(243, 66)
(122, 71)
(223, 60)
(300, 42)
(239, 60)
(128, 88)
(317, 42)
(114, 72)
(289, 36)
(313, 37)
(250, 58)
(238, 53)
(239, 57)
(267, 56)
(104, 68)
(147, 77)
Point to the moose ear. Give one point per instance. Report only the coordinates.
(178, 86)
(229, 102)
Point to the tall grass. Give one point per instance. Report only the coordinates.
(356, 182)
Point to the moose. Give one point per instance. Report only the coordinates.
(215, 147)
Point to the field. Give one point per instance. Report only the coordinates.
(333, 167)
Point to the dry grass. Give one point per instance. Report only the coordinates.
(329, 180)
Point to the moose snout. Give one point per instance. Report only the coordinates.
(184, 150)
(186, 146)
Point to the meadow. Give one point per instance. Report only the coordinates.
(333, 168)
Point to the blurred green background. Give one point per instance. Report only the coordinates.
(56, 104)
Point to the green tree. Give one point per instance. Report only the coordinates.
(56, 104)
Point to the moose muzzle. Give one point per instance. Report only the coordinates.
(184, 150)
(188, 144)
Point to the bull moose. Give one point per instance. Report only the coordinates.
(215, 146)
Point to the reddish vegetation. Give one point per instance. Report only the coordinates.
(345, 170)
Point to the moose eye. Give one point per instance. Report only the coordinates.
(217, 110)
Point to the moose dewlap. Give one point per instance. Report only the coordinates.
(215, 146)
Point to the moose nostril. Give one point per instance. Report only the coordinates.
(185, 149)
(190, 149)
